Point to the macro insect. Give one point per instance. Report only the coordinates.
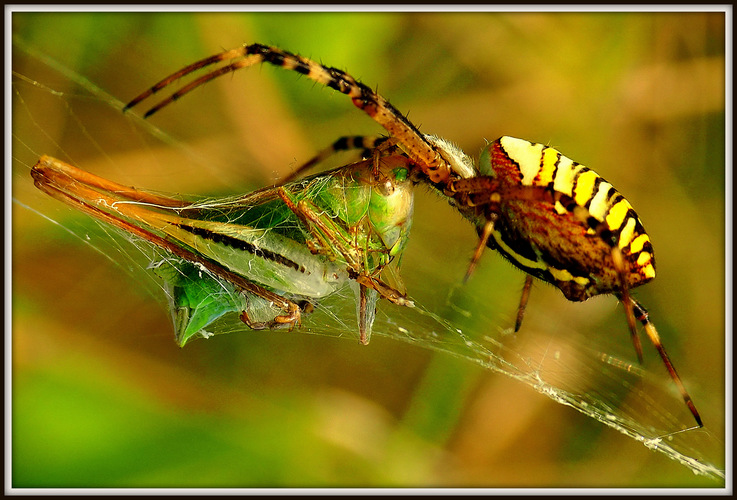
(551, 217)
(269, 255)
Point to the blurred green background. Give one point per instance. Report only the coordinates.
(102, 397)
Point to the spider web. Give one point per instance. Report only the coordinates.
(550, 357)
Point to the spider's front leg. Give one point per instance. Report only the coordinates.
(426, 153)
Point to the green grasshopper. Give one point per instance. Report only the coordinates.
(270, 254)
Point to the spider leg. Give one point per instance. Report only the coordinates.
(523, 302)
(483, 240)
(642, 316)
(347, 143)
(426, 155)
(634, 310)
(620, 265)
(486, 232)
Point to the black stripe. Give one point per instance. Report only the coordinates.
(343, 143)
(275, 58)
(509, 157)
(578, 173)
(257, 48)
(519, 245)
(638, 230)
(238, 244)
(302, 67)
(582, 170)
(342, 81)
(542, 161)
(555, 172)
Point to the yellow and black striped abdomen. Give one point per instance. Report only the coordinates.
(569, 246)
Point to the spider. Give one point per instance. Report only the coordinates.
(551, 217)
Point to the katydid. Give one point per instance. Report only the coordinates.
(269, 255)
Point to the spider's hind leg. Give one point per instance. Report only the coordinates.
(627, 301)
(633, 309)
(523, 302)
(641, 315)
(602, 231)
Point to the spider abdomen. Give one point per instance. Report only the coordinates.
(570, 219)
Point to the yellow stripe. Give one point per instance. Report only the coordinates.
(638, 243)
(289, 63)
(526, 154)
(649, 271)
(559, 274)
(517, 257)
(617, 213)
(545, 175)
(585, 187)
(563, 275)
(599, 205)
(625, 237)
(565, 175)
(560, 208)
(643, 259)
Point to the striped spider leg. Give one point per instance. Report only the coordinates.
(434, 157)
(258, 251)
(369, 146)
(559, 221)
